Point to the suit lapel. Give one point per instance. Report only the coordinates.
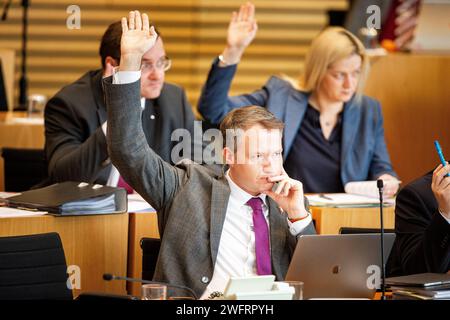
(277, 232)
(350, 123)
(99, 97)
(295, 110)
(220, 195)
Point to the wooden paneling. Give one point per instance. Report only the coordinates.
(194, 32)
(142, 225)
(7, 58)
(96, 244)
(414, 95)
(330, 220)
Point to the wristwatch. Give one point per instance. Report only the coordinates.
(224, 63)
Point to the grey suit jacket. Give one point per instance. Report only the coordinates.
(75, 144)
(191, 200)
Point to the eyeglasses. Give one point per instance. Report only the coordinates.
(163, 63)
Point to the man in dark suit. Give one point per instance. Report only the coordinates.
(422, 226)
(212, 226)
(75, 118)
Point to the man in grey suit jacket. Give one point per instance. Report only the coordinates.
(75, 118)
(205, 219)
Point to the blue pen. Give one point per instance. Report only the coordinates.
(441, 155)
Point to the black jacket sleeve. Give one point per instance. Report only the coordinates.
(75, 145)
(423, 235)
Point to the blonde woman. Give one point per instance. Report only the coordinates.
(333, 134)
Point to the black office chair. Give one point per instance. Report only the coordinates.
(33, 267)
(150, 251)
(24, 168)
(348, 230)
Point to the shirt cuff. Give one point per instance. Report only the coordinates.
(124, 77)
(296, 227)
(447, 219)
(104, 127)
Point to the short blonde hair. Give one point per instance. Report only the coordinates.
(245, 118)
(331, 45)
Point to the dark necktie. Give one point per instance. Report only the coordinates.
(123, 184)
(262, 245)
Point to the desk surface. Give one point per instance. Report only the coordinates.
(96, 244)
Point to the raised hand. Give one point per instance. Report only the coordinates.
(243, 27)
(241, 31)
(137, 38)
(440, 185)
(391, 185)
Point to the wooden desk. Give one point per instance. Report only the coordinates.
(141, 225)
(330, 220)
(18, 135)
(415, 99)
(97, 244)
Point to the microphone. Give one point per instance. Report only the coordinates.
(5, 9)
(110, 277)
(383, 267)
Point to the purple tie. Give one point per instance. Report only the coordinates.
(123, 184)
(262, 246)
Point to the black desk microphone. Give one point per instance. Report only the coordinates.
(110, 277)
(383, 267)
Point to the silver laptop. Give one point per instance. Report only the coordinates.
(339, 266)
(432, 33)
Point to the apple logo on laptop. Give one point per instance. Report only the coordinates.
(336, 269)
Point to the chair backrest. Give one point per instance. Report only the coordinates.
(33, 267)
(24, 168)
(150, 251)
(349, 230)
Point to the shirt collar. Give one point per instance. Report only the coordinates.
(240, 195)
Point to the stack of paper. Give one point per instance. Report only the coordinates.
(400, 293)
(341, 200)
(423, 286)
(6, 212)
(97, 205)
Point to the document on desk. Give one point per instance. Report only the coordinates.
(6, 212)
(343, 200)
(367, 188)
(27, 121)
(138, 204)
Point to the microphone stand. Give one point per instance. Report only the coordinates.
(383, 267)
(23, 82)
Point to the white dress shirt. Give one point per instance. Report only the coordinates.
(236, 254)
(447, 219)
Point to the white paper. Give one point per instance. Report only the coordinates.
(29, 121)
(136, 204)
(365, 188)
(369, 189)
(6, 212)
(340, 199)
(4, 195)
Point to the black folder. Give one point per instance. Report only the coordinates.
(420, 280)
(72, 198)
